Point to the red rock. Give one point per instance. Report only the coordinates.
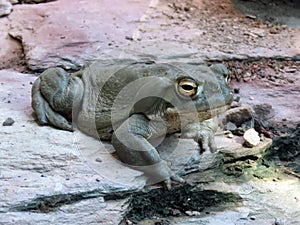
(68, 32)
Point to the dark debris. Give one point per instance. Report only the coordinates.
(161, 203)
(285, 151)
(287, 147)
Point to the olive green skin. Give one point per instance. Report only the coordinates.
(132, 103)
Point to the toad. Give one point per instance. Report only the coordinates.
(133, 104)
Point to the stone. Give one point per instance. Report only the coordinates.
(13, 2)
(237, 115)
(263, 111)
(259, 32)
(253, 17)
(230, 135)
(192, 213)
(236, 90)
(5, 8)
(8, 122)
(290, 70)
(47, 43)
(100, 30)
(45, 170)
(10, 50)
(262, 114)
(230, 126)
(68, 176)
(251, 138)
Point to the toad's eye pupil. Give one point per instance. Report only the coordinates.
(187, 87)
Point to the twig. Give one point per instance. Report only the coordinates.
(287, 171)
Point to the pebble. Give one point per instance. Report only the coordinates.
(8, 122)
(251, 138)
(252, 217)
(129, 38)
(230, 126)
(14, 2)
(246, 79)
(230, 135)
(236, 90)
(176, 212)
(98, 160)
(291, 70)
(192, 213)
(253, 17)
(237, 98)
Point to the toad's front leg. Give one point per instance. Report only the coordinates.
(131, 142)
(203, 133)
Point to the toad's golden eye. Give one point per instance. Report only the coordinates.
(187, 87)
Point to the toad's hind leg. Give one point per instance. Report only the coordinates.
(56, 96)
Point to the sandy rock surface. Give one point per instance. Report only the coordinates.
(42, 164)
(37, 162)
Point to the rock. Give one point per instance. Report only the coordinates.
(192, 213)
(259, 32)
(236, 90)
(10, 50)
(287, 147)
(247, 125)
(237, 116)
(55, 173)
(251, 138)
(262, 114)
(263, 111)
(252, 217)
(13, 2)
(253, 17)
(129, 38)
(5, 8)
(8, 122)
(230, 126)
(291, 70)
(46, 43)
(230, 135)
(239, 131)
(43, 170)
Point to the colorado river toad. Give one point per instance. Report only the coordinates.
(134, 104)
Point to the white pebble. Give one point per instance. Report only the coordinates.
(251, 138)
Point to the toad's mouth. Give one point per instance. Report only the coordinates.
(174, 114)
(212, 112)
